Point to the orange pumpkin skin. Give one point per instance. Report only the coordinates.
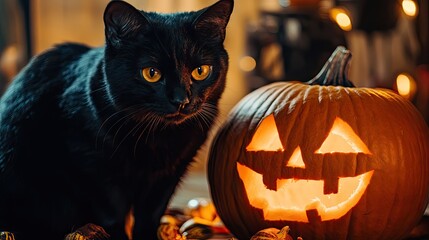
(390, 126)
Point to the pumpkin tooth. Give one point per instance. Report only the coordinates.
(330, 185)
(313, 215)
(270, 182)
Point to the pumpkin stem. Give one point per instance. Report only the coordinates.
(334, 72)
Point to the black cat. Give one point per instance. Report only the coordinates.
(88, 134)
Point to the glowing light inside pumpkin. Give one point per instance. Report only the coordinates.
(296, 159)
(342, 139)
(294, 197)
(409, 7)
(266, 137)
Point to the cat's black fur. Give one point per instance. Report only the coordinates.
(84, 138)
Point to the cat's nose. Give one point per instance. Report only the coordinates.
(183, 104)
(179, 98)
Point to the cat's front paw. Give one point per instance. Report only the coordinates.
(88, 232)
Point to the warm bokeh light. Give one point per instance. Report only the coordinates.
(409, 7)
(247, 63)
(405, 85)
(9, 60)
(341, 17)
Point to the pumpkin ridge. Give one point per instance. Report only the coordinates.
(355, 125)
(262, 112)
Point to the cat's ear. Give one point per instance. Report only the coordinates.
(212, 21)
(122, 21)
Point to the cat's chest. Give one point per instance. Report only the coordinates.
(161, 155)
(168, 152)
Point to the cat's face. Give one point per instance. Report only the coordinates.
(168, 66)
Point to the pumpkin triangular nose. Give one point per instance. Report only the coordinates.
(296, 159)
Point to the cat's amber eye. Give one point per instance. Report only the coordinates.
(202, 72)
(151, 74)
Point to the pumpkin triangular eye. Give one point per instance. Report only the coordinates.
(343, 139)
(266, 137)
(296, 160)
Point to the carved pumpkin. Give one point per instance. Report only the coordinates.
(328, 159)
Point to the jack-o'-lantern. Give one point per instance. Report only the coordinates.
(328, 159)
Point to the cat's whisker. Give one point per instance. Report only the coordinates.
(140, 135)
(141, 124)
(126, 136)
(209, 114)
(215, 113)
(117, 122)
(205, 119)
(147, 121)
(98, 89)
(164, 124)
(197, 120)
(124, 123)
(111, 128)
(152, 126)
(104, 123)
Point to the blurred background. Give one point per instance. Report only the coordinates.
(268, 40)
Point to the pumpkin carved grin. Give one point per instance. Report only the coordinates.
(294, 197)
